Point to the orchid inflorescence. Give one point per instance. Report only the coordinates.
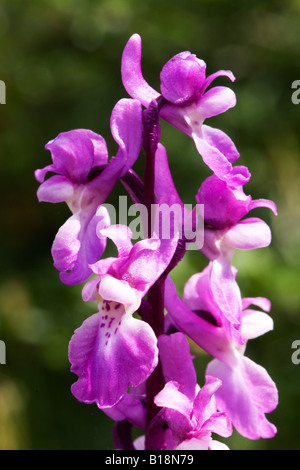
(132, 357)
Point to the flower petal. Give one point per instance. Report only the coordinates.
(215, 101)
(118, 290)
(110, 352)
(223, 205)
(129, 408)
(225, 290)
(208, 336)
(147, 261)
(220, 73)
(132, 78)
(204, 404)
(182, 78)
(198, 297)
(165, 188)
(177, 408)
(255, 323)
(219, 164)
(247, 393)
(218, 423)
(216, 445)
(76, 245)
(171, 397)
(263, 203)
(260, 302)
(40, 174)
(195, 444)
(177, 363)
(126, 128)
(75, 153)
(218, 139)
(248, 234)
(55, 189)
(121, 235)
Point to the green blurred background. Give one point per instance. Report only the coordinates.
(60, 60)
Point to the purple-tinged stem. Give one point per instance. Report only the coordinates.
(151, 135)
(155, 296)
(122, 435)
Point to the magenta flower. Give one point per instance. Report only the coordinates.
(225, 231)
(187, 103)
(84, 179)
(112, 350)
(247, 392)
(189, 412)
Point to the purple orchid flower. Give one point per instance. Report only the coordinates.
(84, 179)
(225, 231)
(187, 103)
(247, 392)
(190, 412)
(112, 350)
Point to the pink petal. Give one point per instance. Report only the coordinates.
(117, 290)
(76, 245)
(215, 101)
(182, 78)
(209, 337)
(164, 185)
(248, 234)
(225, 290)
(216, 445)
(76, 152)
(255, 323)
(171, 397)
(40, 174)
(121, 235)
(247, 393)
(220, 140)
(219, 164)
(55, 189)
(126, 128)
(177, 363)
(218, 423)
(195, 444)
(129, 408)
(260, 302)
(177, 408)
(110, 352)
(220, 73)
(204, 404)
(132, 77)
(263, 203)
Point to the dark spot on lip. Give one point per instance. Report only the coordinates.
(96, 171)
(207, 316)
